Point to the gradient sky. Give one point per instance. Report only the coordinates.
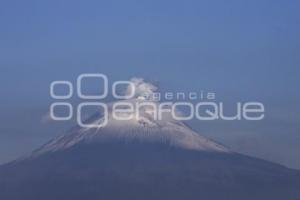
(242, 50)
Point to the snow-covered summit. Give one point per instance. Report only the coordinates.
(143, 127)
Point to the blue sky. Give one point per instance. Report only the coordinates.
(242, 50)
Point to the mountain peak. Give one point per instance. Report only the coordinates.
(143, 128)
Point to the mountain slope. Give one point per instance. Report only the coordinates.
(143, 158)
(137, 170)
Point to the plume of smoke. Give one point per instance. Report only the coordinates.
(46, 118)
(146, 91)
(142, 88)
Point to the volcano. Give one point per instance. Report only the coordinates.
(142, 159)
